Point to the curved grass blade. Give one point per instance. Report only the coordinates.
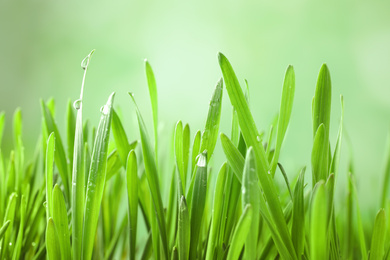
(52, 242)
(286, 105)
(216, 219)
(59, 155)
(132, 196)
(96, 180)
(184, 230)
(298, 219)
(210, 133)
(252, 138)
(319, 156)
(4, 228)
(153, 99)
(378, 236)
(318, 223)
(198, 202)
(235, 160)
(250, 196)
(240, 233)
(334, 167)
(152, 176)
(195, 149)
(60, 218)
(49, 175)
(122, 144)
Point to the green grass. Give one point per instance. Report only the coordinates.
(106, 199)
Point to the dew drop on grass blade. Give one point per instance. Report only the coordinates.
(132, 196)
(240, 233)
(284, 113)
(250, 196)
(96, 180)
(216, 219)
(60, 218)
(252, 138)
(198, 202)
(152, 176)
(52, 242)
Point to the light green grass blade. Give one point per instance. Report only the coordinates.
(195, 149)
(172, 210)
(210, 133)
(154, 101)
(198, 202)
(184, 230)
(186, 149)
(322, 101)
(2, 121)
(152, 176)
(235, 160)
(3, 186)
(49, 165)
(19, 149)
(132, 196)
(59, 155)
(70, 131)
(298, 219)
(252, 138)
(318, 223)
(240, 233)
(9, 215)
(96, 180)
(250, 196)
(155, 232)
(216, 219)
(180, 157)
(319, 156)
(386, 173)
(378, 236)
(284, 113)
(60, 219)
(52, 243)
(19, 240)
(122, 144)
(4, 228)
(334, 168)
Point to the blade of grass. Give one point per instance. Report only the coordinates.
(60, 218)
(132, 196)
(49, 165)
(386, 173)
(298, 222)
(2, 120)
(71, 128)
(184, 230)
(152, 176)
(319, 156)
(9, 215)
(180, 157)
(252, 138)
(122, 144)
(19, 240)
(334, 168)
(378, 236)
(4, 228)
(240, 233)
(235, 159)
(52, 242)
(198, 202)
(96, 180)
(195, 149)
(153, 99)
(250, 196)
(285, 113)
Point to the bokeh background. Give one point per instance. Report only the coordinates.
(43, 42)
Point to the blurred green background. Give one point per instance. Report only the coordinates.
(43, 42)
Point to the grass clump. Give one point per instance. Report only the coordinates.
(105, 199)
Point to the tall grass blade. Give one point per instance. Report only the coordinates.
(319, 156)
(2, 120)
(334, 168)
(235, 160)
(96, 180)
(378, 236)
(70, 131)
(195, 149)
(52, 242)
(153, 99)
(4, 228)
(298, 219)
(49, 166)
(184, 230)
(19, 240)
(386, 173)
(122, 144)
(132, 196)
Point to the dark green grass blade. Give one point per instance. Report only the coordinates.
(184, 230)
(378, 236)
(152, 176)
(217, 212)
(96, 180)
(240, 233)
(49, 174)
(210, 133)
(60, 219)
(386, 174)
(284, 113)
(122, 144)
(235, 159)
(132, 196)
(154, 101)
(59, 155)
(52, 242)
(298, 221)
(318, 223)
(322, 101)
(250, 196)
(198, 202)
(319, 156)
(252, 138)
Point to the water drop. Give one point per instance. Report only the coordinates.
(131, 94)
(243, 191)
(45, 204)
(10, 244)
(77, 104)
(104, 110)
(258, 138)
(33, 244)
(269, 172)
